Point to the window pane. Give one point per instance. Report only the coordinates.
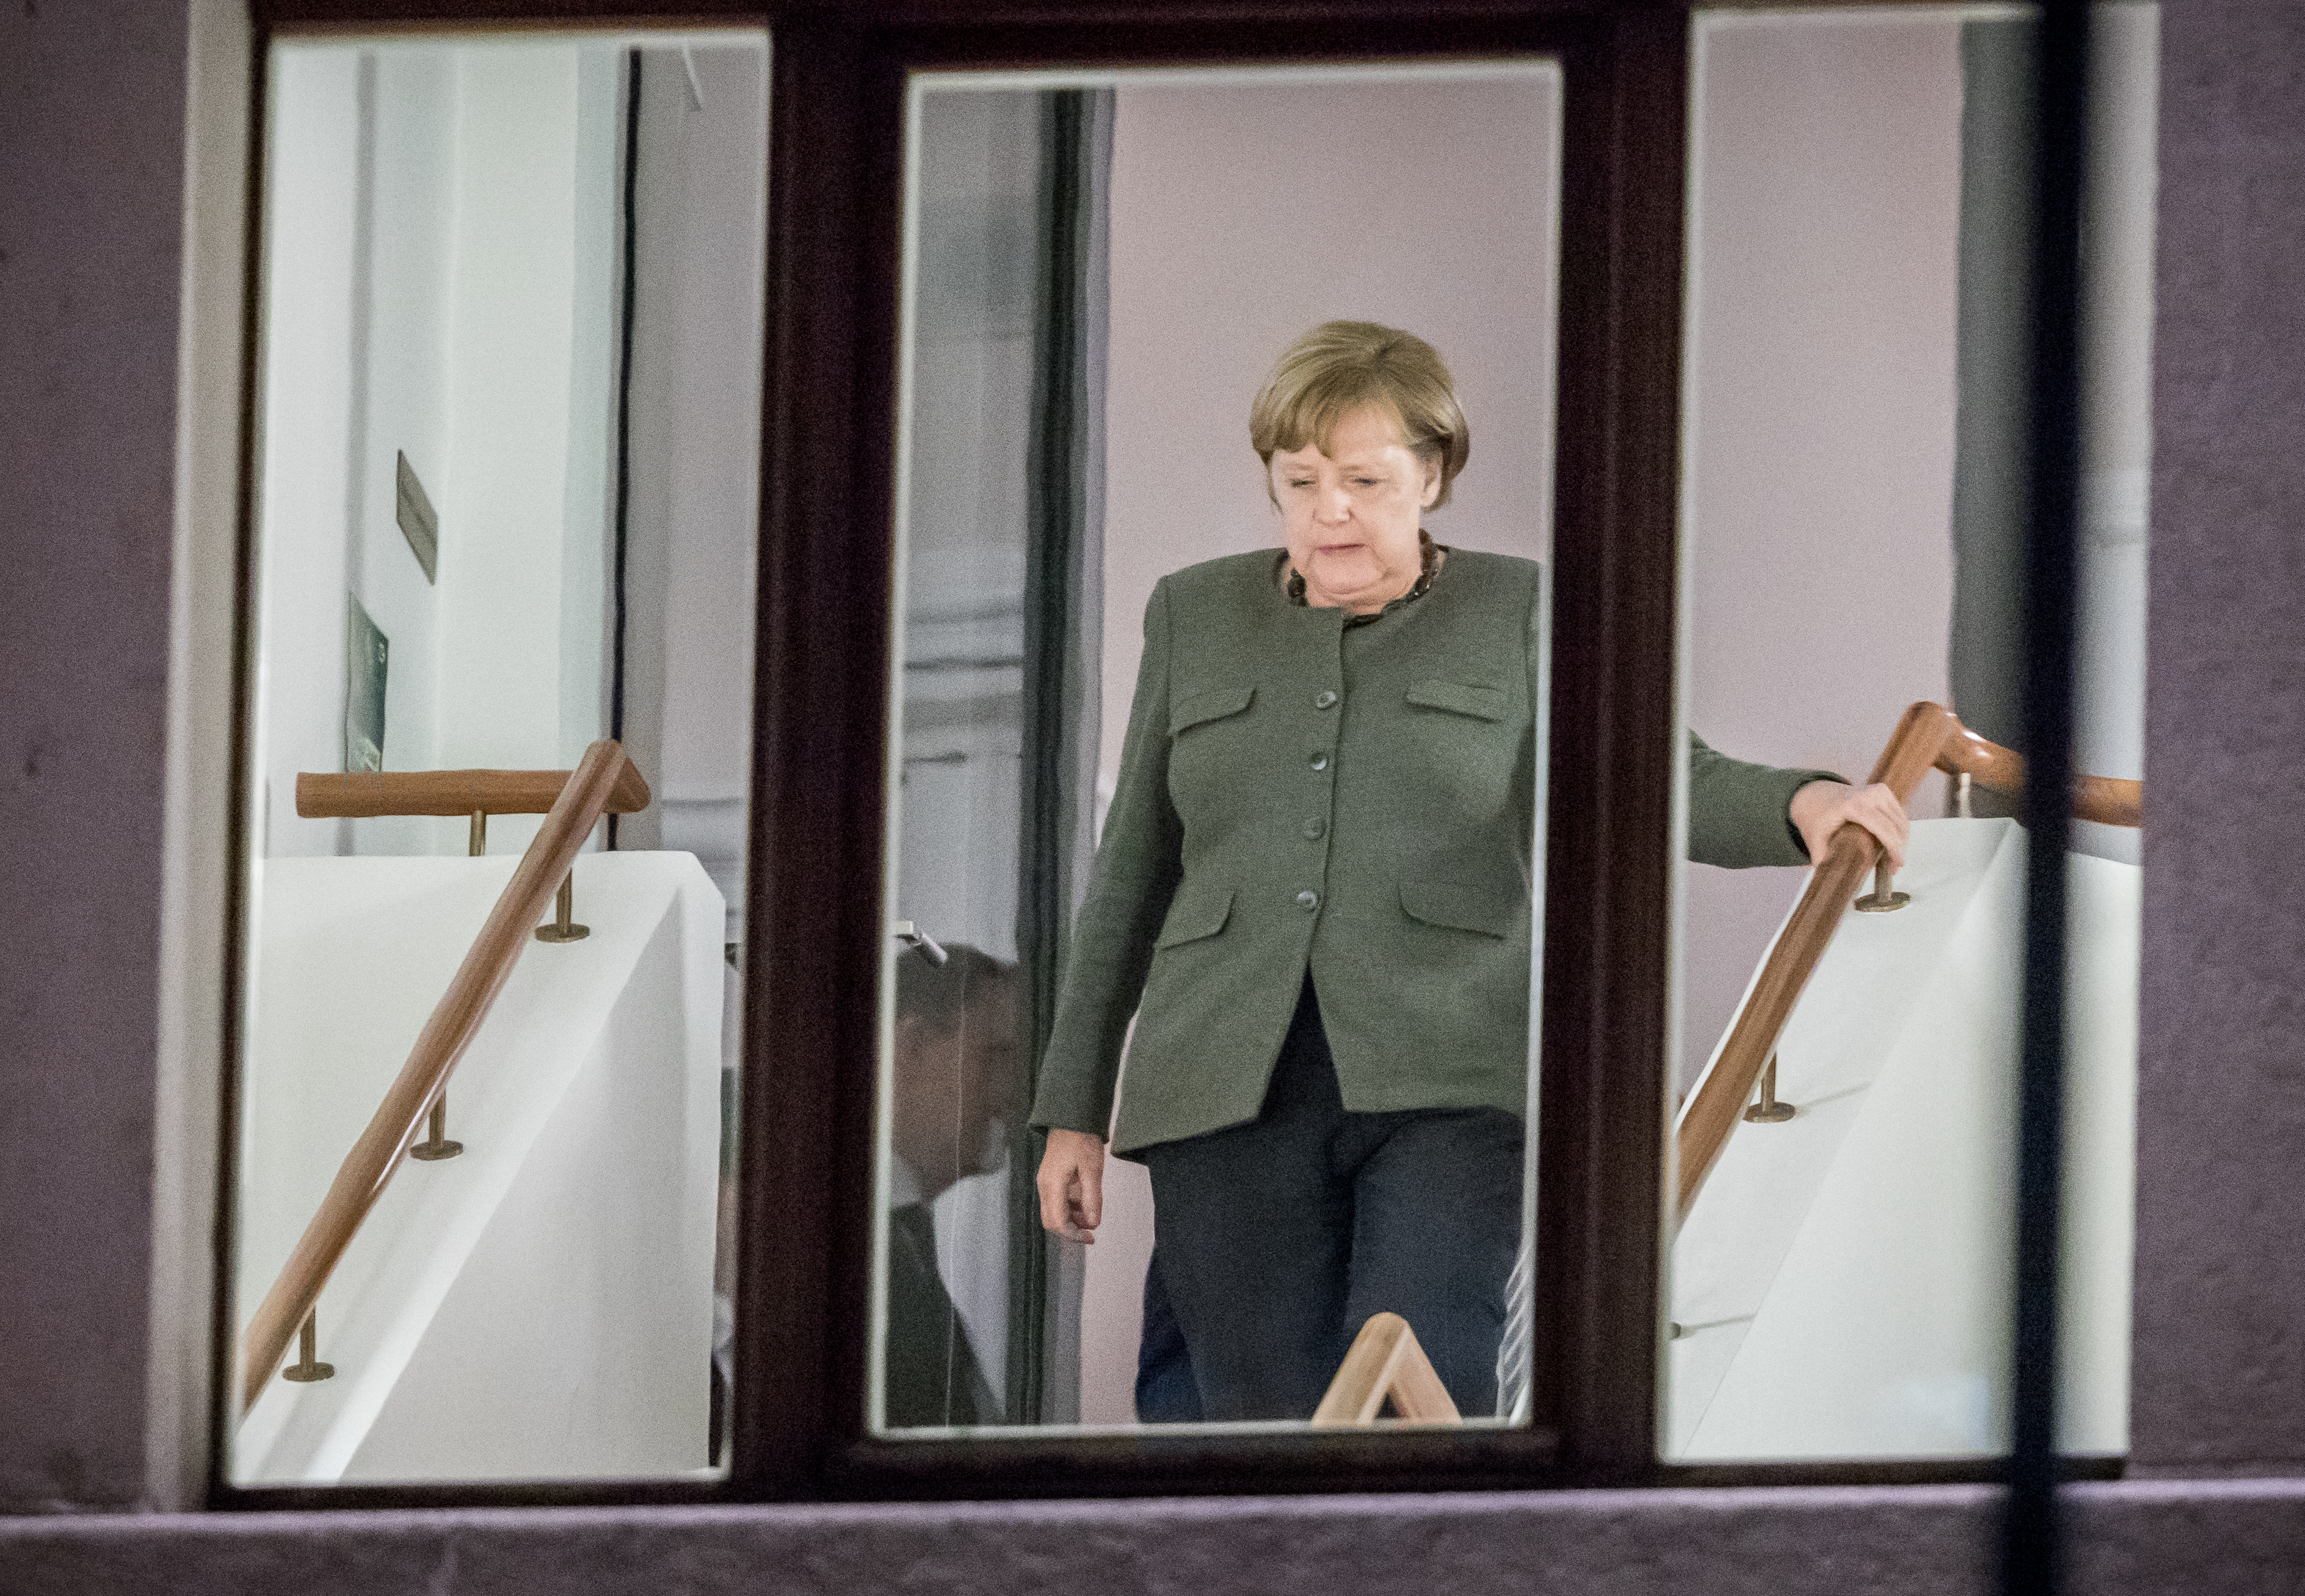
(507, 518)
(1127, 764)
(1841, 1275)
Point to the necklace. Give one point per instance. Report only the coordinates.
(1429, 556)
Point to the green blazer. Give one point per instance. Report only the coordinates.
(1359, 800)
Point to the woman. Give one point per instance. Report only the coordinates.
(1313, 896)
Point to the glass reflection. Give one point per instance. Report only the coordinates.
(1840, 1274)
(505, 527)
(1287, 828)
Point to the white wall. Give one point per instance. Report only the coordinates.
(502, 528)
(401, 377)
(714, 455)
(588, 496)
(1242, 216)
(695, 457)
(1824, 214)
(440, 282)
(2109, 730)
(306, 438)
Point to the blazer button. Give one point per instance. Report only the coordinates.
(1315, 829)
(1323, 698)
(1308, 900)
(1319, 761)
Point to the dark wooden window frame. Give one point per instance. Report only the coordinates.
(823, 613)
(835, 207)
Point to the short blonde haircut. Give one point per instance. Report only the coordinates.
(1341, 366)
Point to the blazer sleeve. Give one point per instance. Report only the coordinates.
(1138, 863)
(1737, 813)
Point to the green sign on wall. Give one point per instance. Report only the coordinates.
(366, 653)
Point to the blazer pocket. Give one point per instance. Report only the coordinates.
(1198, 912)
(1490, 909)
(1210, 703)
(1460, 698)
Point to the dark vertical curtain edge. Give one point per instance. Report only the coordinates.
(1984, 666)
(627, 303)
(1057, 530)
(2031, 1562)
(1083, 688)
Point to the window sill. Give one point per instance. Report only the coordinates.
(1786, 1541)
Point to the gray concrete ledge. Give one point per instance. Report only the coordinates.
(2163, 1536)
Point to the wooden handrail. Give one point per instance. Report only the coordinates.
(1928, 736)
(376, 1157)
(2110, 800)
(1385, 1360)
(364, 793)
(1712, 1111)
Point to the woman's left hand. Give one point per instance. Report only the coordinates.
(1822, 808)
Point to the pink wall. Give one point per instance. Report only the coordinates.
(1242, 214)
(1826, 211)
(1825, 214)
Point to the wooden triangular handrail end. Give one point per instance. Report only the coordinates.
(631, 794)
(1385, 1360)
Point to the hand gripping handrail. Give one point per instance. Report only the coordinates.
(583, 798)
(1928, 736)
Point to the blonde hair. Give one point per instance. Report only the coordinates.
(1339, 366)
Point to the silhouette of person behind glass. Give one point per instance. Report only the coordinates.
(955, 1079)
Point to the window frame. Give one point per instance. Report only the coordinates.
(813, 959)
(836, 195)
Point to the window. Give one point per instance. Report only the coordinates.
(1842, 1270)
(810, 1191)
(1076, 405)
(837, 892)
(502, 566)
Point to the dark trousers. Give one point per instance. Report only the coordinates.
(1274, 1241)
(1166, 1393)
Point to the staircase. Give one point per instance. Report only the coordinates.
(1841, 1284)
(541, 1304)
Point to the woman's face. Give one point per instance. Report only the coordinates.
(1349, 520)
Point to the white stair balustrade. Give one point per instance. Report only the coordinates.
(1842, 1286)
(539, 1305)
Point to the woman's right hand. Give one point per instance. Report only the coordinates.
(1072, 1184)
